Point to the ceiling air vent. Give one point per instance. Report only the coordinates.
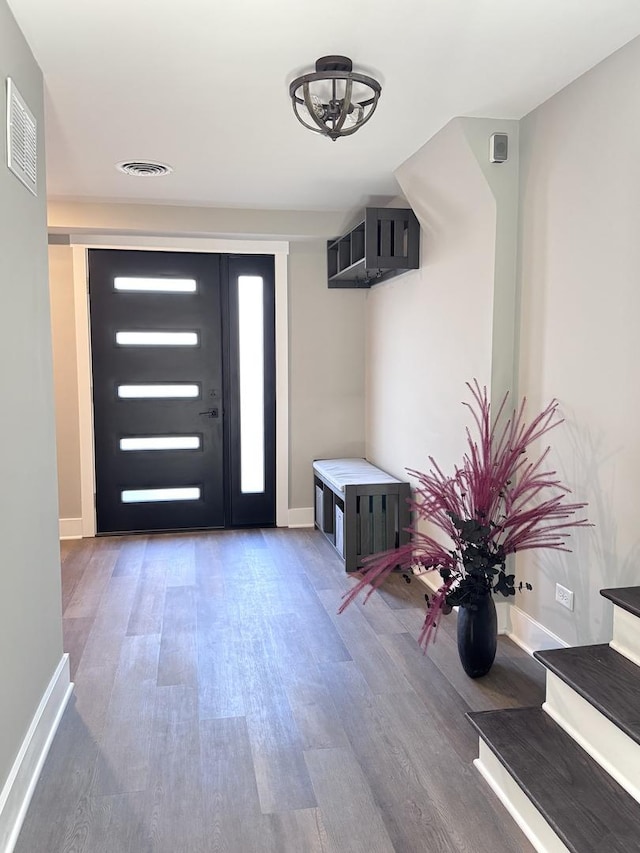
(22, 139)
(143, 169)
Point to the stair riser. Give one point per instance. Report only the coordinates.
(614, 751)
(516, 802)
(626, 634)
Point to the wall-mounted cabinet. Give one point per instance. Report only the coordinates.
(386, 243)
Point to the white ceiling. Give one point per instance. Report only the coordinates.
(203, 85)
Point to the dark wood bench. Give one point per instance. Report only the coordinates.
(361, 509)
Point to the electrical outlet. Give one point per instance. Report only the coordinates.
(564, 596)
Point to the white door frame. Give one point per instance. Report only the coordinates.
(80, 243)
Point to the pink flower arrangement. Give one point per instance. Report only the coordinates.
(496, 503)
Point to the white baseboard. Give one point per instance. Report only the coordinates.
(433, 582)
(19, 787)
(301, 517)
(516, 802)
(503, 612)
(70, 528)
(523, 629)
(529, 634)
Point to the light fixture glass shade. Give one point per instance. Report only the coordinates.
(334, 101)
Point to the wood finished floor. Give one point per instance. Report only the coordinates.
(221, 705)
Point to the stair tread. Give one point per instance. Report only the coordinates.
(627, 597)
(588, 810)
(606, 679)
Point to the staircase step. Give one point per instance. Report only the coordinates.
(628, 598)
(593, 693)
(626, 628)
(578, 806)
(608, 681)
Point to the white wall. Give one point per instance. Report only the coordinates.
(580, 341)
(326, 369)
(30, 608)
(166, 219)
(432, 330)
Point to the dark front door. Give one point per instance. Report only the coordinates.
(156, 337)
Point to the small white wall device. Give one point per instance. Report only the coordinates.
(498, 147)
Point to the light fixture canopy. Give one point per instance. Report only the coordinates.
(334, 100)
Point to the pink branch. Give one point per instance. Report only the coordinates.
(498, 487)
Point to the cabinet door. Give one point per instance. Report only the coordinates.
(392, 239)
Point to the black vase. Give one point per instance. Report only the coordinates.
(478, 637)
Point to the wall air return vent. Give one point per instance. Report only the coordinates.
(22, 139)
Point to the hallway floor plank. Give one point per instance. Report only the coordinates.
(221, 706)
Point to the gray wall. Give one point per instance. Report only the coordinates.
(326, 369)
(452, 320)
(580, 259)
(30, 619)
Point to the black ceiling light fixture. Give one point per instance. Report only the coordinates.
(334, 100)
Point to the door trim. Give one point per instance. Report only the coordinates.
(80, 243)
(85, 390)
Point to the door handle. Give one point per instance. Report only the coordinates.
(210, 413)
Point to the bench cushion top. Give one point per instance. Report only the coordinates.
(339, 473)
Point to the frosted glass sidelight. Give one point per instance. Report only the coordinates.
(155, 285)
(137, 496)
(157, 339)
(161, 442)
(157, 391)
(251, 370)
